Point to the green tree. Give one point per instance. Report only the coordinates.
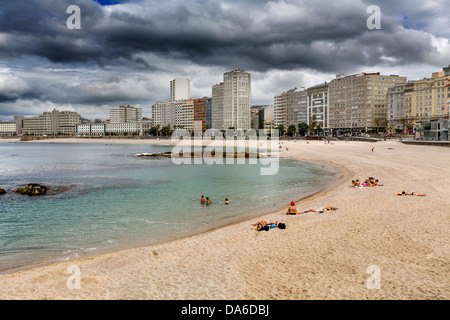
(291, 130)
(303, 128)
(165, 131)
(319, 130)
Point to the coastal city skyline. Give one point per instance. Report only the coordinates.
(116, 60)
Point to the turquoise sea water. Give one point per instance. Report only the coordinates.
(112, 199)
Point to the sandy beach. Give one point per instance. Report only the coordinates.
(318, 256)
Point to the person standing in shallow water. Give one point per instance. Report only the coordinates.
(226, 201)
(202, 200)
(208, 201)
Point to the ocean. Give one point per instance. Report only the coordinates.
(103, 198)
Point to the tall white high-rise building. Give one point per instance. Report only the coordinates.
(231, 109)
(180, 89)
(217, 106)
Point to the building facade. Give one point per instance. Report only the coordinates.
(280, 110)
(163, 114)
(398, 105)
(184, 114)
(217, 106)
(52, 123)
(358, 102)
(430, 98)
(180, 89)
(124, 114)
(290, 108)
(8, 128)
(231, 101)
(236, 100)
(200, 112)
(318, 112)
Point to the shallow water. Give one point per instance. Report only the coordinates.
(112, 199)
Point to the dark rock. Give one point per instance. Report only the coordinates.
(2, 191)
(33, 189)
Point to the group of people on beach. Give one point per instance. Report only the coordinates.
(207, 201)
(370, 182)
(292, 210)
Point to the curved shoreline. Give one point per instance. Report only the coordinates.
(318, 256)
(317, 192)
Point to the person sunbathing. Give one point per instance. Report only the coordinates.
(266, 226)
(292, 210)
(356, 183)
(403, 193)
(321, 210)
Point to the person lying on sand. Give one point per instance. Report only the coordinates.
(403, 193)
(266, 226)
(356, 183)
(321, 210)
(292, 210)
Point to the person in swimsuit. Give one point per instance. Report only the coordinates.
(321, 210)
(208, 201)
(226, 201)
(266, 226)
(403, 193)
(292, 210)
(202, 200)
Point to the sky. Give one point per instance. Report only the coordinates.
(126, 52)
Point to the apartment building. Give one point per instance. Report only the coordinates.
(217, 106)
(124, 114)
(358, 102)
(280, 110)
(163, 114)
(431, 98)
(201, 113)
(290, 107)
(399, 104)
(317, 106)
(180, 89)
(54, 122)
(8, 128)
(184, 114)
(231, 101)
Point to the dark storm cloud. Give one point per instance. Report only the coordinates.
(258, 35)
(127, 53)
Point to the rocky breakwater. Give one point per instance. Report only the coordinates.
(245, 155)
(2, 191)
(32, 189)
